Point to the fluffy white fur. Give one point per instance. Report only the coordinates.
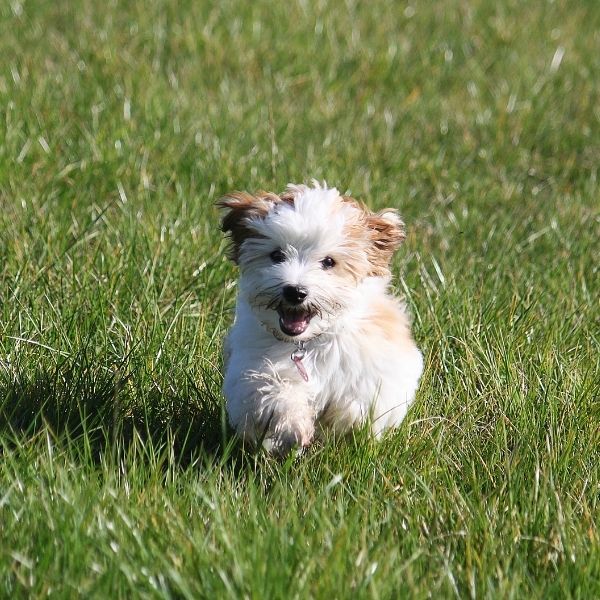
(359, 356)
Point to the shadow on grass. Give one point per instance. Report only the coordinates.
(85, 404)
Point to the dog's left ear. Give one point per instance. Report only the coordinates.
(386, 233)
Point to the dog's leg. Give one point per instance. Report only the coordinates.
(266, 410)
(391, 405)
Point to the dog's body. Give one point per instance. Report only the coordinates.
(317, 341)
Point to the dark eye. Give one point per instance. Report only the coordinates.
(328, 262)
(277, 256)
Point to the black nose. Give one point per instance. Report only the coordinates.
(294, 294)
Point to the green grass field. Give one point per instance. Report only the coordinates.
(122, 124)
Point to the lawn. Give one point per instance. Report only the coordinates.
(123, 123)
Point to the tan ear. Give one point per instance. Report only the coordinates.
(242, 208)
(386, 233)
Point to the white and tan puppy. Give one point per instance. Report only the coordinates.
(318, 340)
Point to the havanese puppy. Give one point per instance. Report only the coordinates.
(318, 341)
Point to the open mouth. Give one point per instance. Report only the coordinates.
(293, 321)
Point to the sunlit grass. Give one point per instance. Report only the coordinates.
(123, 122)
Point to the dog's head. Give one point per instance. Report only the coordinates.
(303, 253)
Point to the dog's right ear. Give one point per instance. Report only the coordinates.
(242, 208)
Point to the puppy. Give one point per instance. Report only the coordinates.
(318, 341)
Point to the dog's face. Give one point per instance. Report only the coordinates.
(303, 253)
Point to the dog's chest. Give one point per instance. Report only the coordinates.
(342, 372)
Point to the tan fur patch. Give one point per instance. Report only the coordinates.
(391, 322)
(377, 234)
(386, 237)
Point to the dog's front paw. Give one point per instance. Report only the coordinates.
(284, 439)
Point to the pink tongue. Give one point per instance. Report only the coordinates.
(293, 324)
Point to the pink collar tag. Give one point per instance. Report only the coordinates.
(297, 356)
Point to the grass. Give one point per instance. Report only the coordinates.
(123, 122)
